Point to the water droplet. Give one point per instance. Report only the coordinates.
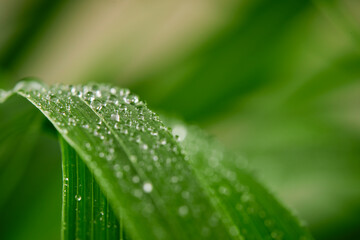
(147, 187)
(124, 92)
(113, 91)
(90, 95)
(185, 194)
(174, 179)
(276, 235)
(134, 99)
(138, 193)
(88, 146)
(246, 197)
(119, 174)
(72, 90)
(78, 198)
(224, 190)
(96, 104)
(183, 211)
(115, 117)
(54, 98)
(98, 93)
(136, 179)
(72, 121)
(163, 141)
(179, 131)
(133, 158)
(233, 231)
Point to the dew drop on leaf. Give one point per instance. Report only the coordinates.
(183, 211)
(174, 179)
(90, 95)
(147, 187)
(180, 132)
(113, 91)
(119, 174)
(233, 231)
(88, 146)
(98, 93)
(78, 198)
(115, 117)
(133, 158)
(185, 195)
(138, 193)
(163, 141)
(135, 179)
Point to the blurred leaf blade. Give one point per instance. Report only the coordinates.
(18, 139)
(240, 196)
(22, 153)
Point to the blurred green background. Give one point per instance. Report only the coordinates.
(276, 81)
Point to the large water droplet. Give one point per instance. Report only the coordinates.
(113, 91)
(78, 198)
(179, 131)
(90, 95)
(147, 187)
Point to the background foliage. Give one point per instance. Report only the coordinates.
(276, 81)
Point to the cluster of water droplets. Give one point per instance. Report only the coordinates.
(129, 117)
(117, 134)
(226, 174)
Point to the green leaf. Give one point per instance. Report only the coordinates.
(155, 188)
(28, 157)
(245, 204)
(93, 218)
(18, 133)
